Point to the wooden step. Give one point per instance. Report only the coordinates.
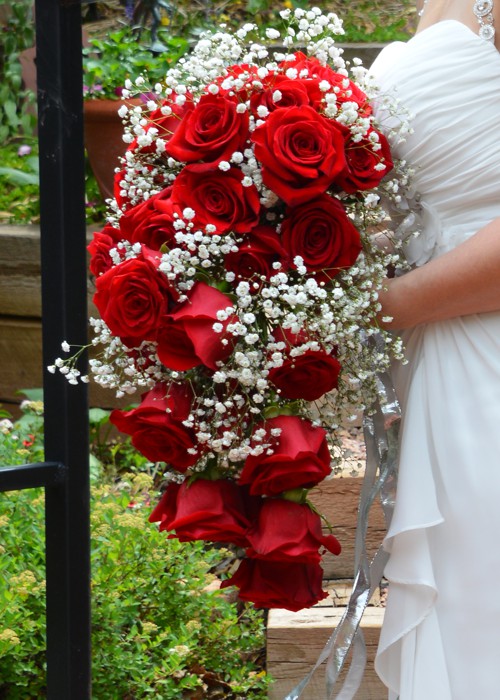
(337, 499)
(295, 640)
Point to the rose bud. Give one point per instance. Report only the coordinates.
(215, 511)
(300, 458)
(157, 429)
(102, 242)
(277, 584)
(186, 337)
(287, 531)
(307, 376)
(361, 172)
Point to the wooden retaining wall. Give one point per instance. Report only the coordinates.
(20, 317)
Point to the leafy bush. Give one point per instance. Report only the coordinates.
(19, 190)
(17, 35)
(161, 628)
(109, 61)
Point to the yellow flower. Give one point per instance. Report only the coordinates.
(149, 627)
(8, 635)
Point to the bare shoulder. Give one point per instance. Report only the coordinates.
(472, 13)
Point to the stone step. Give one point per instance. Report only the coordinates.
(294, 641)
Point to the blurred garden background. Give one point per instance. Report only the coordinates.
(161, 628)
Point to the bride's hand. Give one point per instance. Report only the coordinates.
(463, 281)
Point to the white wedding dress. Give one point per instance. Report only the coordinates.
(441, 635)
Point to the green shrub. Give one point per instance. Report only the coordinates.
(161, 628)
(17, 35)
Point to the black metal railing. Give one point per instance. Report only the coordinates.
(65, 474)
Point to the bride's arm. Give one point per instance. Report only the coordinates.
(464, 281)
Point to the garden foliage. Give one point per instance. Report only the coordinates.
(159, 629)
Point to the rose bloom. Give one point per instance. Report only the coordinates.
(123, 200)
(186, 337)
(294, 93)
(256, 254)
(287, 531)
(102, 242)
(215, 511)
(277, 584)
(210, 132)
(301, 153)
(360, 173)
(308, 376)
(217, 197)
(150, 222)
(156, 426)
(132, 297)
(248, 74)
(300, 458)
(346, 90)
(323, 235)
(165, 124)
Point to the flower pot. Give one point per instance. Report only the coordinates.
(103, 140)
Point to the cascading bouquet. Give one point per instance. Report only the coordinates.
(236, 284)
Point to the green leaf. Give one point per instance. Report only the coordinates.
(98, 416)
(10, 109)
(19, 177)
(32, 394)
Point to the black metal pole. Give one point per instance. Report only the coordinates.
(62, 219)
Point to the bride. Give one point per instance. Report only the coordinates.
(441, 635)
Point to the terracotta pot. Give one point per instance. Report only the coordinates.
(103, 140)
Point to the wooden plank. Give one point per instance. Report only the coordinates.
(21, 364)
(20, 271)
(337, 499)
(20, 281)
(294, 641)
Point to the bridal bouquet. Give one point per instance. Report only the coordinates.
(236, 284)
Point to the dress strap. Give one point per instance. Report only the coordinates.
(483, 9)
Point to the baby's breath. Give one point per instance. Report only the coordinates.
(332, 314)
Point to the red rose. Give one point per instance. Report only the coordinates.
(361, 173)
(276, 584)
(345, 89)
(308, 376)
(124, 187)
(294, 93)
(187, 338)
(210, 132)
(217, 198)
(165, 120)
(287, 531)
(119, 193)
(246, 74)
(151, 222)
(300, 458)
(216, 511)
(256, 254)
(323, 235)
(156, 426)
(131, 298)
(301, 153)
(102, 242)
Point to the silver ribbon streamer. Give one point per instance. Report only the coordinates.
(381, 437)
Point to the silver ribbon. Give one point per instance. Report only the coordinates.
(381, 437)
